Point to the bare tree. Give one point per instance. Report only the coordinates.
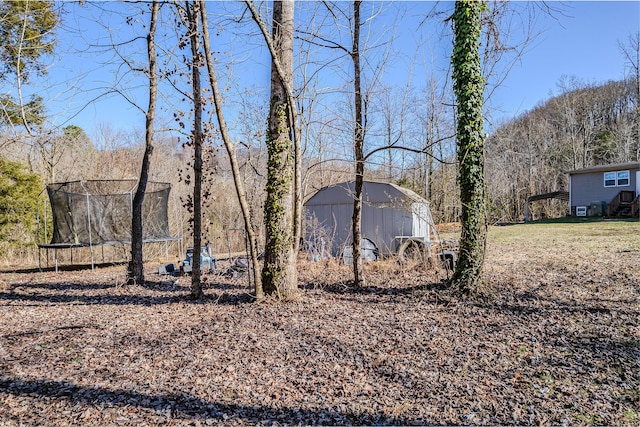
(631, 52)
(358, 149)
(192, 23)
(135, 273)
(231, 152)
(360, 96)
(53, 146)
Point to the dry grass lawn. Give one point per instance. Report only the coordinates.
(558, 342)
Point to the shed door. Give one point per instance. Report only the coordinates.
(421, 220)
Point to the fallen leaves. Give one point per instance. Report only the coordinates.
(550, 348)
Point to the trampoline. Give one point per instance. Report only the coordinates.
(98, 213)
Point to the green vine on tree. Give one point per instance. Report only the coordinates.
(280, 175)
(469, 91)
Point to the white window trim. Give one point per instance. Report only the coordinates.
(615, 175)
(616, 179)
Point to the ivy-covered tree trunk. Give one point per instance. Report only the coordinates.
(279, 275)
(358, 148)
(469, 91)
(135, 273)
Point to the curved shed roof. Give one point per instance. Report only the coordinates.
(372, 192)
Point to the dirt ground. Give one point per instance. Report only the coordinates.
(558, 342)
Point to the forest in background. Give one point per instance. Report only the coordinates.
(531, 154)
(586, 124)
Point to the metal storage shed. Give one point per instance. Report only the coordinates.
(391, 215)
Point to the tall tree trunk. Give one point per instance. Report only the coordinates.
(279, 275)
(469, 91)
(297, 146)
(135, 273)
(235, 168)
(198, 137)
(358, 148)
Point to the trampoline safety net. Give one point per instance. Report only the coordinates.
(99, 212)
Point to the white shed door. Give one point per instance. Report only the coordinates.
(421, 220)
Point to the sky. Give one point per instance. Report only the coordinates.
(582, 41)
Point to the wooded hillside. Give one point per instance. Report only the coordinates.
(531, 154)
(587, 125)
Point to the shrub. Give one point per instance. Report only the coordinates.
(19, 190)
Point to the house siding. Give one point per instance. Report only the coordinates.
(587, 188)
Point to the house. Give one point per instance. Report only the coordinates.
(608, 190)
(392, 216)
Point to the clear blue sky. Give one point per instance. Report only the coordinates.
(581, 42)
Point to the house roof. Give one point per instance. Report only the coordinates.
(607, 168)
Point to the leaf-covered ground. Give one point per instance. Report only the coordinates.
(558, 343)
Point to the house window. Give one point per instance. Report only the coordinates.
(623, 178)
(616, 179)
(609, 179)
